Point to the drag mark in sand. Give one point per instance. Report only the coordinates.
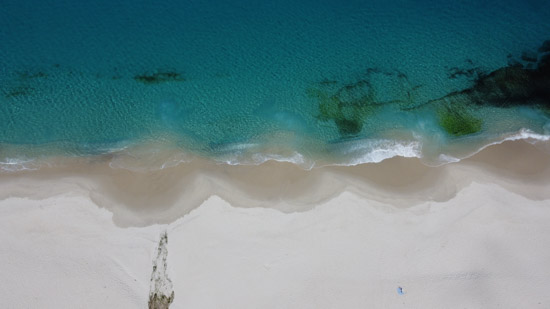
(161, 292)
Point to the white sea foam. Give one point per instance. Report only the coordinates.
(374, 151)
(523, 134)
(143, 160)
(347, 153)
(388, 149)
(528, 135)
(295, 158)
(445, 158)
(11, 165)
(251, 154)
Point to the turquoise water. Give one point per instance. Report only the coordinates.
(315, 82)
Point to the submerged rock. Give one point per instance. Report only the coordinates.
(544, 65)
(513, 85)
(529, 56)
(545, 47)
(509, 86)
(159, 77)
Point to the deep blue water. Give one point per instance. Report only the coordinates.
(244, 80)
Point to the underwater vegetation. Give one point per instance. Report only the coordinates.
(527, 83)
(25, 75)
(160, 76)
(20, 85)
(28, 81)
(457, 121)
(544, 47)
(348, 106)
(517, 84)
(512, 85)
(470, 72)
(18, 91)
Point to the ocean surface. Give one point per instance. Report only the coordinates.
(242, 82)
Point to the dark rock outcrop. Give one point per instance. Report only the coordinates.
(509, 86)
(529, 56)
(161, 293)
(545, 47)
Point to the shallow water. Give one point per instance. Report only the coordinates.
(242, 82)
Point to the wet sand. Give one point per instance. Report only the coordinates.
(396, 234)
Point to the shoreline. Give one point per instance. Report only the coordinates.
(396, 234)
(162, 196)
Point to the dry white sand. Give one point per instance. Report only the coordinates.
(392, 235)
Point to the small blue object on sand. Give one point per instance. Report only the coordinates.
(400, 291)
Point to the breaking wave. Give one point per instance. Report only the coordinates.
(157, 156)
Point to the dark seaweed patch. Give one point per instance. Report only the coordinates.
(509, 86)
(529, 56)
(456, 72)
(160, 77)
(23, 83)
(18, 91)
(328, 82)
(545, 110)
(408, 91)
(457, 121)
(545, 47)
(348, 106)
(26, 75)
(349, 127)
(512, 85)
(470, 71)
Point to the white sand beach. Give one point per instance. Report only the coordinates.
(396, 234)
